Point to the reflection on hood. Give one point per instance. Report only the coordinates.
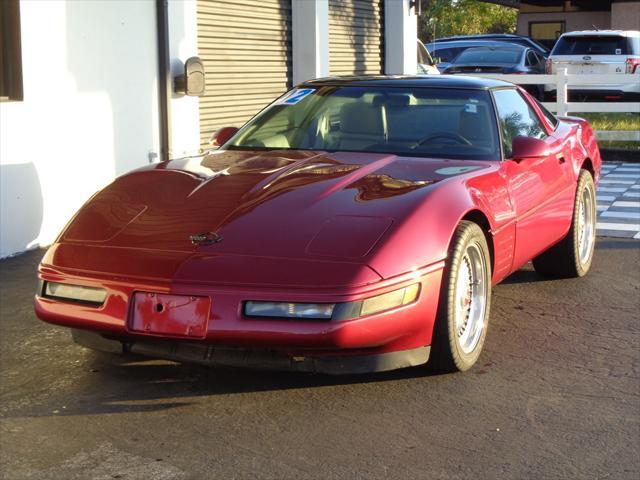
(376, 186)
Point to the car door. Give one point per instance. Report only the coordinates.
(540, 188)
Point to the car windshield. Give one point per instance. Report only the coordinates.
(446, 123)
(489, 55)
(591, 45)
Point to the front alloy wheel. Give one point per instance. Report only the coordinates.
(465, 298)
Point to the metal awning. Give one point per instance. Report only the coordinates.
(592, 5)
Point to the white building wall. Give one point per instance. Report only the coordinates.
(183, 44)
(90, 112)
(625, 16)
(310, 42)
(401, 38)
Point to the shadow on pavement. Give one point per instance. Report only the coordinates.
(106, 383)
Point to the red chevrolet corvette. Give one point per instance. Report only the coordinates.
(354, 225)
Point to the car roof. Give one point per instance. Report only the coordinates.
(586, 33)
(504, 46)
(433, 81)
(480, 36)
(453, 43)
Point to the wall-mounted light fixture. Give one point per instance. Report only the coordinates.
(192, 81)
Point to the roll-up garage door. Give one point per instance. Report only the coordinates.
(246, 50)
(356, 37)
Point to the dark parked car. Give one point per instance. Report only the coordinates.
(511, 59)
(503, 37)
(444, 53)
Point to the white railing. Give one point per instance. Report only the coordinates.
(562, 81)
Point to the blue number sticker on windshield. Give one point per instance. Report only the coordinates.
(296, 95)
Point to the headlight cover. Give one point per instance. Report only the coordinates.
(333, 311)
(309, 311)
(75, 293)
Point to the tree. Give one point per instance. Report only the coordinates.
(464, 17)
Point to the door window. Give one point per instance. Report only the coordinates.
(517, 118)
(533, 60)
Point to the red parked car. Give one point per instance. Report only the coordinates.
(355, 225)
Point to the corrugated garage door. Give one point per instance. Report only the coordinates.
(246, 49)
(356, 37)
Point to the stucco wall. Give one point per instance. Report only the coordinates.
(574, 20)
(89, 112)
(183, 43)
(625, 16)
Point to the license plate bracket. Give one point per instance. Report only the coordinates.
(173, 315)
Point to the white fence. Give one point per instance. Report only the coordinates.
(563, 81)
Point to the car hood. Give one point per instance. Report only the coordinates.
(273, 204)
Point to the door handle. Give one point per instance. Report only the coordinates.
(560, 157)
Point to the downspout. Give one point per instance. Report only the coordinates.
(164, 78)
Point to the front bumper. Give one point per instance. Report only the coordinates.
(275, 343)
(260, 359)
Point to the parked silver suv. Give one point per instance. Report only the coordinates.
(602, 52)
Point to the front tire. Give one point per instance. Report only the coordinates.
(572, 256)
(465, 298)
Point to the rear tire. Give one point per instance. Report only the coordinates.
(572, 256)
(465, 300)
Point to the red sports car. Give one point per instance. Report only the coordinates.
(354, 225)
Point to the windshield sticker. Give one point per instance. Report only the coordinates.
(456, 170)
(296, 95)
(471, 108)
(618, 51)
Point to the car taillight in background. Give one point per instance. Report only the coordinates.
(632, 64)
(548, 66)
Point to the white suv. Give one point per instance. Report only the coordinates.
(601, 52)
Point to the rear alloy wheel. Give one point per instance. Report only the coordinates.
(465, 298)
(572, 256)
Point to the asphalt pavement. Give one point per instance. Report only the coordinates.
(556, 395)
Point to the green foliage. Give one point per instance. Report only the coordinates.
(464, 17)
(614, 121)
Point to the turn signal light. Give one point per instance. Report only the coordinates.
(377, 304)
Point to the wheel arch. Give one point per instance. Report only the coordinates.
(587, 165)
(479, 218)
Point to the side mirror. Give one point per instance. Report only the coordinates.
(221, 136)
(192, 81)
(523, 148)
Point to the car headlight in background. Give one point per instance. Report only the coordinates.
(76, 293)
(334, 311)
